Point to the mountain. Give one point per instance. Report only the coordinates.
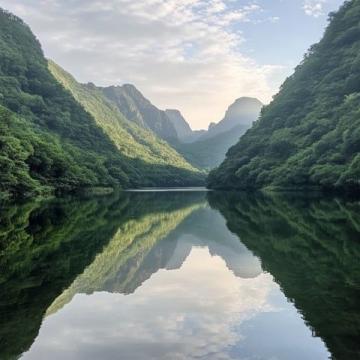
(183, 129)
(203, 149)
(209, 153)
(244, 111)
(309, 136)
(49, 142)
(159, 163)
(209, 150)
(140, 110)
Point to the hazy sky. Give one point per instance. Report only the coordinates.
(194, 55)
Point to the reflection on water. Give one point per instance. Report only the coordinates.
(180, 275)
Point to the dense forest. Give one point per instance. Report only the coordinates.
(309, 136)
(155, 160)
(48, 141)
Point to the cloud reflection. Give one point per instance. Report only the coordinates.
(174, 315)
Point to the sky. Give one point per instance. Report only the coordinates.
(197, 56)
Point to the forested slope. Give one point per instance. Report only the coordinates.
(49, 142)
(309, 136)
(155, 161)
(46, 139)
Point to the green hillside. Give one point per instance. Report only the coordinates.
(309, 136)
(48, 141)
(162, 164)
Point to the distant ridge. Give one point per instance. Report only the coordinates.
(209, 149)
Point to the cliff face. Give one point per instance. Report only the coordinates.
(140, 110)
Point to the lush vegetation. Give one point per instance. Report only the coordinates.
(311, 248)
(309, 136)
(49, 141)
(135, 142)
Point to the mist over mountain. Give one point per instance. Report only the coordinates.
(244, 111)
(183, 129)
(210, 148)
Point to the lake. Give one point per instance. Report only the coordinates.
(180, 275)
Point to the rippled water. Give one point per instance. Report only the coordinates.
(180, 275)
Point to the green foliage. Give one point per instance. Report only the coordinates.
(158, 162)
(311, 248)
(49, 142)
(309, 135)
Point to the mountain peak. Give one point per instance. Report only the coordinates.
(247, 99)
(243, 106)
(242, 112)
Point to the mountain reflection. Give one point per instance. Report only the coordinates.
(165, 266)
(160, 241)
(312, 249)
(44, 246)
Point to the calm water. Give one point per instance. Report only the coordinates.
(180, 275)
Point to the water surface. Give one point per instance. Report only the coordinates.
(180, 275)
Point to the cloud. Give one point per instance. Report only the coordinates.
(180, 53)
(314, 8)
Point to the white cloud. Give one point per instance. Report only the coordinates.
(314, 8)
(179, 53)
